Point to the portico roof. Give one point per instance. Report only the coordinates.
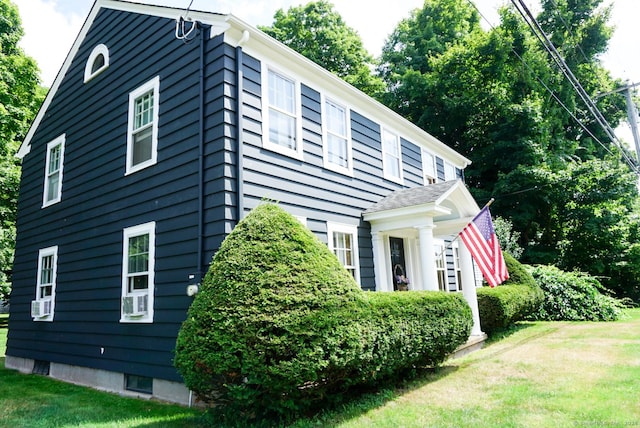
(447, 204)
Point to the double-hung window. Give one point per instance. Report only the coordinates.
(337, 142)
(142, 136)
(282, 116)
(429, 168)
(42, 307)
(138, 273)
(391, 156)
(343, 242)
(53, 172)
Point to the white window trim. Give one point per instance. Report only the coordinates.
(45, 252)
(153, 84)
(266, 143)
(348, 170)
(353, 231)
(385, 167)
(129, 232)
(58, 141)
(95, 53)
(429, 171)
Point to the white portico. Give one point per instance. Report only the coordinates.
(411, 231)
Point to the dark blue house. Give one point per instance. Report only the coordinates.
(159, 133)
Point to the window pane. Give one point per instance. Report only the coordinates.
(142, 143)
(98, 63)
(337, 150)
(143, 110)
(52, 187)
(138, 254)
(138, 282)
(54, 159)
(282, 129)
(46, 273)
(45, 291)
(281, 93)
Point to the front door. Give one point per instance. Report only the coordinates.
(398, 265)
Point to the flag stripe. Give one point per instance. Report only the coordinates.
(480, 238)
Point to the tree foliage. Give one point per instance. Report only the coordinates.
(20, 98)
(497, 97)
(318, 32)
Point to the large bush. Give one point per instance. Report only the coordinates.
(573, 296)
(512, 301)
(275, 318)
(279, 325)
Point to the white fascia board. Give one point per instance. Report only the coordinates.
(265, 48)
(216, 21)
(415, 211)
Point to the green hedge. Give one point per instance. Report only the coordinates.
(279, 326)
(573, 296)
(411, 329)
(515, 300)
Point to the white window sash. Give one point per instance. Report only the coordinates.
(281, 112)
(129, 233)
(391, 156)
(49, 254)
(53, 177)
(135, 129)
(340, 250)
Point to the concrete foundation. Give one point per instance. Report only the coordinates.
(173, 392)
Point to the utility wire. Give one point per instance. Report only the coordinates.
(531, 21)
(548, 89)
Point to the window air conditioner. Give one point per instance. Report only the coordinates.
(40, 308)
(135, 306)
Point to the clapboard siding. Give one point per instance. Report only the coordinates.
(99, 201)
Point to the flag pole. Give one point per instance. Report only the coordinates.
(451, 242)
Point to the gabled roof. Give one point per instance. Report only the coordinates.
(217, 22)
(413, 196)
(447, 204)
(256, 43)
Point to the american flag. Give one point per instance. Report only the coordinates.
(480, 238)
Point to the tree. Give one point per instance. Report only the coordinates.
(498, 98)
(318, 32)
(20, 98)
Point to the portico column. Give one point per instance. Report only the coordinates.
(428, 258)
(379, 265)
(469, 287)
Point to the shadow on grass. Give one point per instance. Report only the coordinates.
(502, 333)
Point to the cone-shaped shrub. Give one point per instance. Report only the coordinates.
(274, 324)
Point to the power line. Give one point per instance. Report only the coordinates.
(531, 21)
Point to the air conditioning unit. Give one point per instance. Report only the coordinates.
(136, 305)
(40, 308)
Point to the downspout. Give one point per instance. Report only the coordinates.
(201, 106)
(239, 126)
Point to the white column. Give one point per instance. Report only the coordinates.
(428, 258)
(379, 264)
(469, 287)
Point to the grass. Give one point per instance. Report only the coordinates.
(543, 374)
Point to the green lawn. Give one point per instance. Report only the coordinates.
(541, 375)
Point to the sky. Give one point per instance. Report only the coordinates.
(51, 26)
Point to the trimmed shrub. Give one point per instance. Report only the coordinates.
(515, 300)
(411, 329)
(573, 296)
(280, 327)
(274, 322)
